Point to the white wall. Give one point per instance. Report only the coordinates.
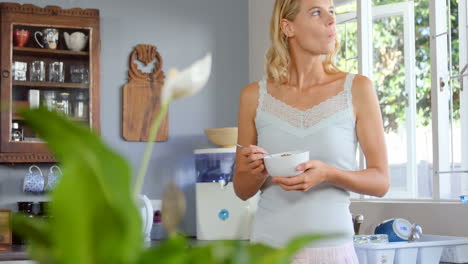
(182, 30)
(259, 40)
(435, 218)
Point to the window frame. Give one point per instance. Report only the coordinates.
(365, 53)
(440, 98)
(463, 52)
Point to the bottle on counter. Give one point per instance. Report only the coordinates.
(26, 209)
(43, 210)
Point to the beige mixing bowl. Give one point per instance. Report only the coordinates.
(225, 137)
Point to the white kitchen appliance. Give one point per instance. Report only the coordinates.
(221, 215)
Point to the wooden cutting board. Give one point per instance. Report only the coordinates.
(141, 96)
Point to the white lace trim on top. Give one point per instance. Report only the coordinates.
(305, 118)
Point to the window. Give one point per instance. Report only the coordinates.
(393, 74)
(401, 71)
(449, 46)
(347, 58)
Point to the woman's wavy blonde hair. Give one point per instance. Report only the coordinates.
(277, 58)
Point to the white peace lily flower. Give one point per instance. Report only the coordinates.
(187, 82)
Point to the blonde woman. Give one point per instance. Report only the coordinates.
(305, 102)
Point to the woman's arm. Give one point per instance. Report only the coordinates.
(250, 173)
(374, 180)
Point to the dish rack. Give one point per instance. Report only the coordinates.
(430, 249)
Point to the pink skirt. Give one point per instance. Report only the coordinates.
(327, 255)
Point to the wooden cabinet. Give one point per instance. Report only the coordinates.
(62, 75)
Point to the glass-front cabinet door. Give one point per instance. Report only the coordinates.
(50, 58)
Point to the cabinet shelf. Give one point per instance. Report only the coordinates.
(16, 117)
(52, 84)
(52, 52)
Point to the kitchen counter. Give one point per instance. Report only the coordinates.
(18, 252)
(14, 252)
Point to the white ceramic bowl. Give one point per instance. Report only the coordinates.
(284, 164)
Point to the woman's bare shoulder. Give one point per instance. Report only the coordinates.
(250, 94)
(365, 98)
(361, 79)
(362, 86)
(248, 105)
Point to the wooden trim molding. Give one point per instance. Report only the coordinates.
(26, 157)
(48, 10)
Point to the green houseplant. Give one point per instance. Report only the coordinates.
(94, 218)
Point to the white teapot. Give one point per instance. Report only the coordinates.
(76, 41)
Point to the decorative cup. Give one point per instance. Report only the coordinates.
(49, 38)
(34, 181)
(21, 37)
(53, 177)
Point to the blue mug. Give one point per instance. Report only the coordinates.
(34, 182)
(53, 178)
(397, 229)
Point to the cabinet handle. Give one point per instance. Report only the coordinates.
(5, 74)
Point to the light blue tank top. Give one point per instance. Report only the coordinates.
(327, 130)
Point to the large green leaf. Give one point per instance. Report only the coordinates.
(171, 251)
(94, 219)
(284, 255)
(37, 234)
(177, 250)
